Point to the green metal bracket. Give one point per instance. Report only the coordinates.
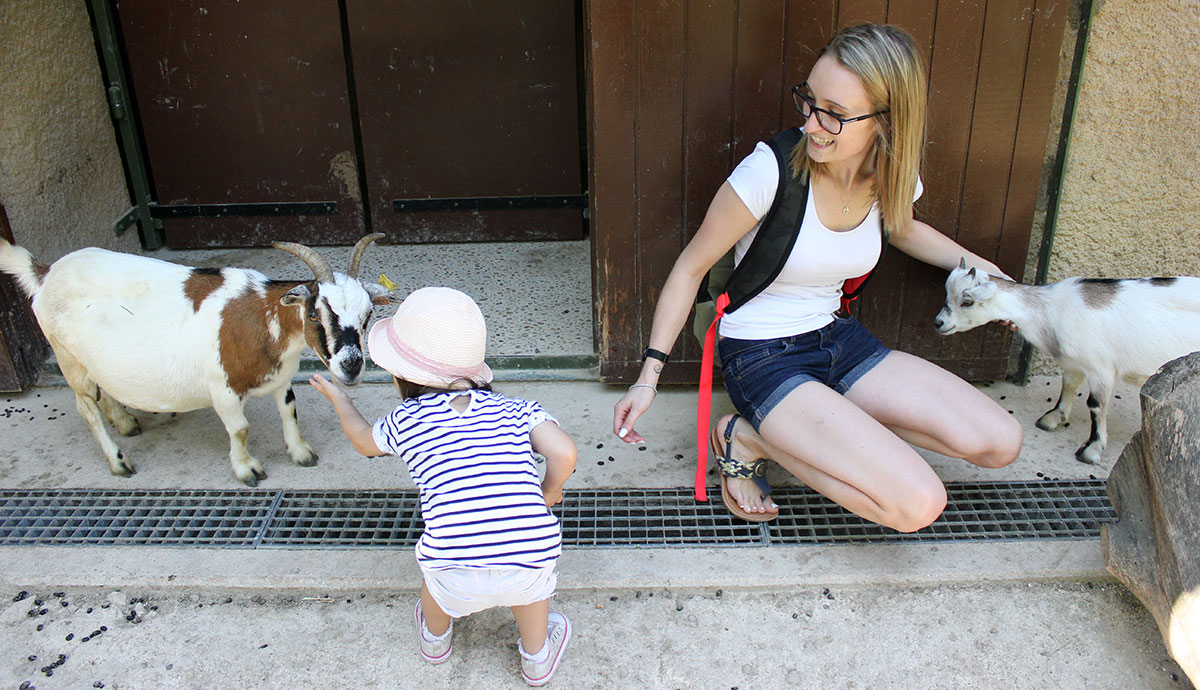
(149, 228)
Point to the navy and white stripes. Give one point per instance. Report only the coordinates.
(481, 498)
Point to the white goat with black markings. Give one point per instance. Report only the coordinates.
(1097, 329)
(157, 336)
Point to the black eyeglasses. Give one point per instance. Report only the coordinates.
(829, 122)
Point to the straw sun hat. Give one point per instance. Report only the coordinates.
(436, 338)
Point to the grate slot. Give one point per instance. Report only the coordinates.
(592, 518)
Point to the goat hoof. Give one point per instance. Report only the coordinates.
(1088, 456)
(307, 460)
(1049, 421)
(135, 430)
(250, 481)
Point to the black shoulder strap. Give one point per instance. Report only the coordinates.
(777, 232)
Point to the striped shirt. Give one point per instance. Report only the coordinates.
(481, 498)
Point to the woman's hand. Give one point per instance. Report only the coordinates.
(629, 408)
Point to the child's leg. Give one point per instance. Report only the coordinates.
(437, 620)
(531, 622)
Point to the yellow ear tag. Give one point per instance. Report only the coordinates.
(387, 282)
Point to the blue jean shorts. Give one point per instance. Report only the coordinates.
(760, 373)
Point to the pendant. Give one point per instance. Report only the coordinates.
(846, 210)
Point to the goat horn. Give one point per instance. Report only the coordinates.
(318, 264)
(356, 255)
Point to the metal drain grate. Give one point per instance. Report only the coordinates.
(590, 518)
(646, 517)
(110, 518)
(345, 518)
(1063, 509)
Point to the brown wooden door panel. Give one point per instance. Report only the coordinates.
(992, 71)
(240, 103)
(459, 99)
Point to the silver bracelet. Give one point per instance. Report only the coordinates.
(645, 385)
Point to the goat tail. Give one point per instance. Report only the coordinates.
(20, 264)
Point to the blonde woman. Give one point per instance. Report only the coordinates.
(816, 392)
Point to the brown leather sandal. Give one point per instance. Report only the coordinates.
(732, 468)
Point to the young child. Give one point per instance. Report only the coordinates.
(490, 538)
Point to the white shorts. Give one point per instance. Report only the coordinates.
(463, 591)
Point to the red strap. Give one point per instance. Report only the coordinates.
(704, 406)
(850, 290)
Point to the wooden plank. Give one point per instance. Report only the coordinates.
(659, 159)
(851, 12)
(883, 301)
(1029, 151)
(1029, 148)
(952, 76)
(612, 73)
(758, 82)
(810, 25)
(707, 121)
(22, 346)
(993, 132)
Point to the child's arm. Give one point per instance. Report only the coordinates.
(558, 448)
(354, 425)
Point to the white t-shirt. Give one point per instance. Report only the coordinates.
(808, 290)
(481, 498)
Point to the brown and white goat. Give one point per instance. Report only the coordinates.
(1099, 330)
(157, 336)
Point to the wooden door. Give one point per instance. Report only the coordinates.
(245, 112)
(680, 92)
(454, 121)
(470, 118)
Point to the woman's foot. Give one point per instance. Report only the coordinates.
(745, 443)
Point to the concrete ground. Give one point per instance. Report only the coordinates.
(990, 615)
(1018, 614)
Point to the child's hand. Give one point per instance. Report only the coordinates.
(553, 496)
(326, 388)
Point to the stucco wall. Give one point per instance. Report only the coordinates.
(61, 179)
(1130, 201)
(1131, 188)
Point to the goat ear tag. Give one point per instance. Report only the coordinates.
(387, 282)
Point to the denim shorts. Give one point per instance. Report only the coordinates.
(760, 373)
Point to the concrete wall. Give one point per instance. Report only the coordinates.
(61, 179)
(1131, 189)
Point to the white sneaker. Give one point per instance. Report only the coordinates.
(433, 651)
(558, 634)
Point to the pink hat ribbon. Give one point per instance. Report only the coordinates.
(445, 371)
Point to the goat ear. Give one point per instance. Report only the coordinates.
(379, 294)
(297, 295)
(962, 262)
(982, 292)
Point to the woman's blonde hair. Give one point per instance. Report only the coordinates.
(892, 71)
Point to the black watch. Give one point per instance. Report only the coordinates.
(650, 353)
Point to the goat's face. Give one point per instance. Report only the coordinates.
(335, 321)
(967, 293)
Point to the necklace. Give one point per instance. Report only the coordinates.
(845, 201)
